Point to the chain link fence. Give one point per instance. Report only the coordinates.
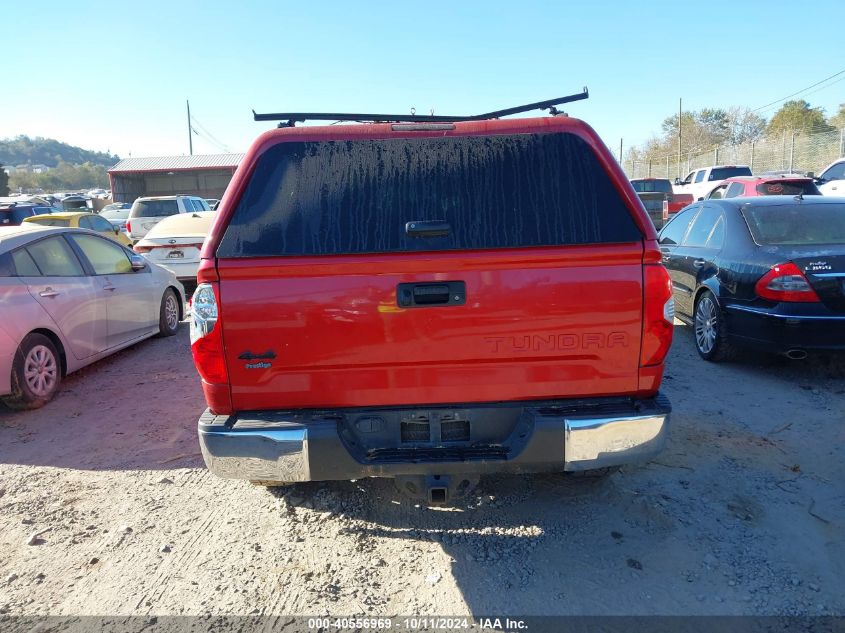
(793, 152)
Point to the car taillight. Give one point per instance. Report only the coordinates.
(785, 282)
(141, 249)
(206, 336)
(658, 315)
(665, 209)
(128, 227)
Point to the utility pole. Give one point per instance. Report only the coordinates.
(792, 154)
(190, 135)
(620, 151)
(680, 118)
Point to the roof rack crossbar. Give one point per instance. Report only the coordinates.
(291, 118)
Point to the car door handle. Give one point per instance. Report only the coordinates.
(698, 263)
(48, 292)
(110, 288)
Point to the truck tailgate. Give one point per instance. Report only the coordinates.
(534, 324)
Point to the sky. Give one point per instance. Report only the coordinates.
(115, 76)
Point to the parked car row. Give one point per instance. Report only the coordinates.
(176, 242)
(81, 220)
(71, 296)
(149, 211)
(709, 182)
(661, 200)
(73, 292)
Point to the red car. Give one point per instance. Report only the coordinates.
(750, 186)
(430, 300)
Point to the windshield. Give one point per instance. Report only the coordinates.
(796, 224)
(720, 173)
(114, 213)
(153, 208)
(649, 186)
(788, 188)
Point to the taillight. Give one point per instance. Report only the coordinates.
(785, 282)
(658, 315)
(206, 336)
(128, 227)
(141, 249)
(665, 209)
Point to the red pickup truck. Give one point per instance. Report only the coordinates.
(658, 199)
(430, 302)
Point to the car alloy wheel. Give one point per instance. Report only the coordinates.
(40, 371)
(171, 311)
(706, 324)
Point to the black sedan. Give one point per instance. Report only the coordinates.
(765, 272)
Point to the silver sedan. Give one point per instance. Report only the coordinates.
(69, 297)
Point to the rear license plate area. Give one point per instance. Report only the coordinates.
(415, 431)
(175, 255)
(454, 430)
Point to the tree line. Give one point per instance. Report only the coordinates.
(23, 150)
(719, 127)
(65, 176)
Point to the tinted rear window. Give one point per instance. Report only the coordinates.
(495, 192)
(789, 188)
(154, 208)
(51, 222)
(6, 269)
(797, 223)
(649, 186)
(115, 214)
(728, 172)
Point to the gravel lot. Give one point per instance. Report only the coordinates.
(105, 508)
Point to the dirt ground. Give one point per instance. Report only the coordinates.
(744, 513)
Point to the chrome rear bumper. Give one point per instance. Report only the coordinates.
(303, 446)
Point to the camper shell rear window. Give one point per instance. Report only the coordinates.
(348, 197)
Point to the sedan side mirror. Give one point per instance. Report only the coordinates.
(116, 229)
(138, 262)
(678, 181)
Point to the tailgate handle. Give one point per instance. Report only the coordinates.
(431, 293)
(428, 228)
(444, 293)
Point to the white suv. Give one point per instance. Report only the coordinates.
(700, 182)
(147, 212)
(832, 180)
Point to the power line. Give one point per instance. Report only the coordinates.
(205, 136)
(209, 136)
(825, 87)
(794, 94)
